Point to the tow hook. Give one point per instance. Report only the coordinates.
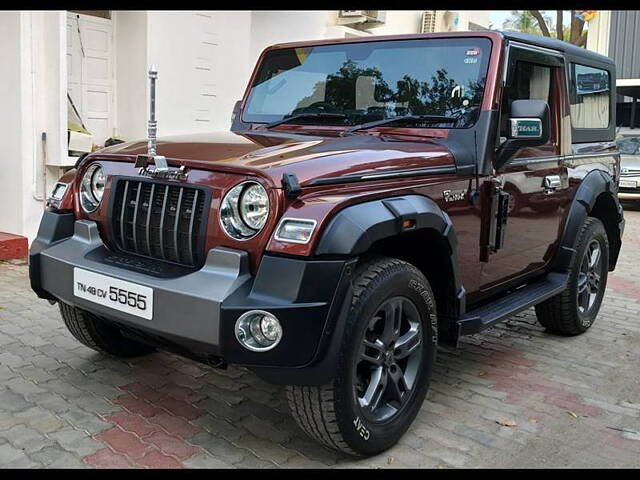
(216, 362)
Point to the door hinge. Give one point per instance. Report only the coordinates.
(500, 219)
(494, 215)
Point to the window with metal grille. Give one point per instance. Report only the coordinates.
(160, 220)
(429, 21)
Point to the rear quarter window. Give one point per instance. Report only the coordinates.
(590, 97)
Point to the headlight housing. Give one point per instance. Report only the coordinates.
(92, 188)
(244, 210)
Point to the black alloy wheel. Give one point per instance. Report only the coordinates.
(589, 277)
(389, 360)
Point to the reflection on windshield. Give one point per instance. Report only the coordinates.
(372, 81)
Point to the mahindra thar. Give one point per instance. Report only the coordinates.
(374, 197)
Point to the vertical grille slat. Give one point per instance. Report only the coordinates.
(176, 225)
(162, 217)
(122, 213)
(190, 231)
(148, 222)
(172, 226)
(134, 226)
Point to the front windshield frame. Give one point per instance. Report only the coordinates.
(486, 49)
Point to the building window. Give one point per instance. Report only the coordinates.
(590, 97)
(95, 13)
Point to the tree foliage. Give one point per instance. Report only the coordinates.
(523, 21)
(538, 23)
(408, 96)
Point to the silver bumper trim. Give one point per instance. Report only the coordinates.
(187, 306)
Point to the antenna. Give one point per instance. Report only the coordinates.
(152, 125)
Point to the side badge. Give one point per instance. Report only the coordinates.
(526, 127)
(454, 195)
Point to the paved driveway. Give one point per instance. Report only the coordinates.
(569, 401)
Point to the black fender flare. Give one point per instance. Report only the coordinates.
(350, 233)
(591, 187)
(353, 230)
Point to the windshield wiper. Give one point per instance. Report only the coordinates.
(405, 118)
(305, 116)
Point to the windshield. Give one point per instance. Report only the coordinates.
(369, 81)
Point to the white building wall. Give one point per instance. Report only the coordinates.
(11, 160)
(399, 22)
(269, 27)
(130, 38)
(202, 67)
(599, 29)
(32, 99)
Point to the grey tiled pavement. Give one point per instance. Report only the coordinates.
(574, 401)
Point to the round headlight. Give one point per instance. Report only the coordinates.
(97, 183)
(244, 210)
(92, 187)
(254, 206)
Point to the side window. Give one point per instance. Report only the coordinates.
(530, 81)
(589, 97)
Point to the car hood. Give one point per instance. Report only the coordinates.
(308, 157)
(630, 163)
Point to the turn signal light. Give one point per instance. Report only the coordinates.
(295, 230)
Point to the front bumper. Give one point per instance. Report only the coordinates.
(196, 310)
(627, 193)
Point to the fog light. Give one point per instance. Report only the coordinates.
(258, 330)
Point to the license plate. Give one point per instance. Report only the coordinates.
(114, 293)
(628, 183)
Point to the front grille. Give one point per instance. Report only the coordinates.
(160, 220)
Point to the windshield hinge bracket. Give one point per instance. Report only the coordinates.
(291, 185)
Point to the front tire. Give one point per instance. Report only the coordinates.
(385, 364)
(99, 335)
(574, 310)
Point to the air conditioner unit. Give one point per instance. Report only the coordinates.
(368, 18)
(345, 31)
(429, 21)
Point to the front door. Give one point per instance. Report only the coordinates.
(536, 179)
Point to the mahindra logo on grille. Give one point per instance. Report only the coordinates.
(177, 174)
(162, 170)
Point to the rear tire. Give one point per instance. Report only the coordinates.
(99, 335)
(390, 339)
(574, 310)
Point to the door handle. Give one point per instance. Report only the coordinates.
(551, 183)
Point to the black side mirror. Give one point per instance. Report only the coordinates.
(529, 126)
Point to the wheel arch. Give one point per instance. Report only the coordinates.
(595, 197)
(429, 242)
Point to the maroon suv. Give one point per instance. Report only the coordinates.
(361, 210)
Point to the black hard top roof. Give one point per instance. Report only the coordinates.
(556, 44)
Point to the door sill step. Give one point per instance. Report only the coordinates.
(498, 310)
